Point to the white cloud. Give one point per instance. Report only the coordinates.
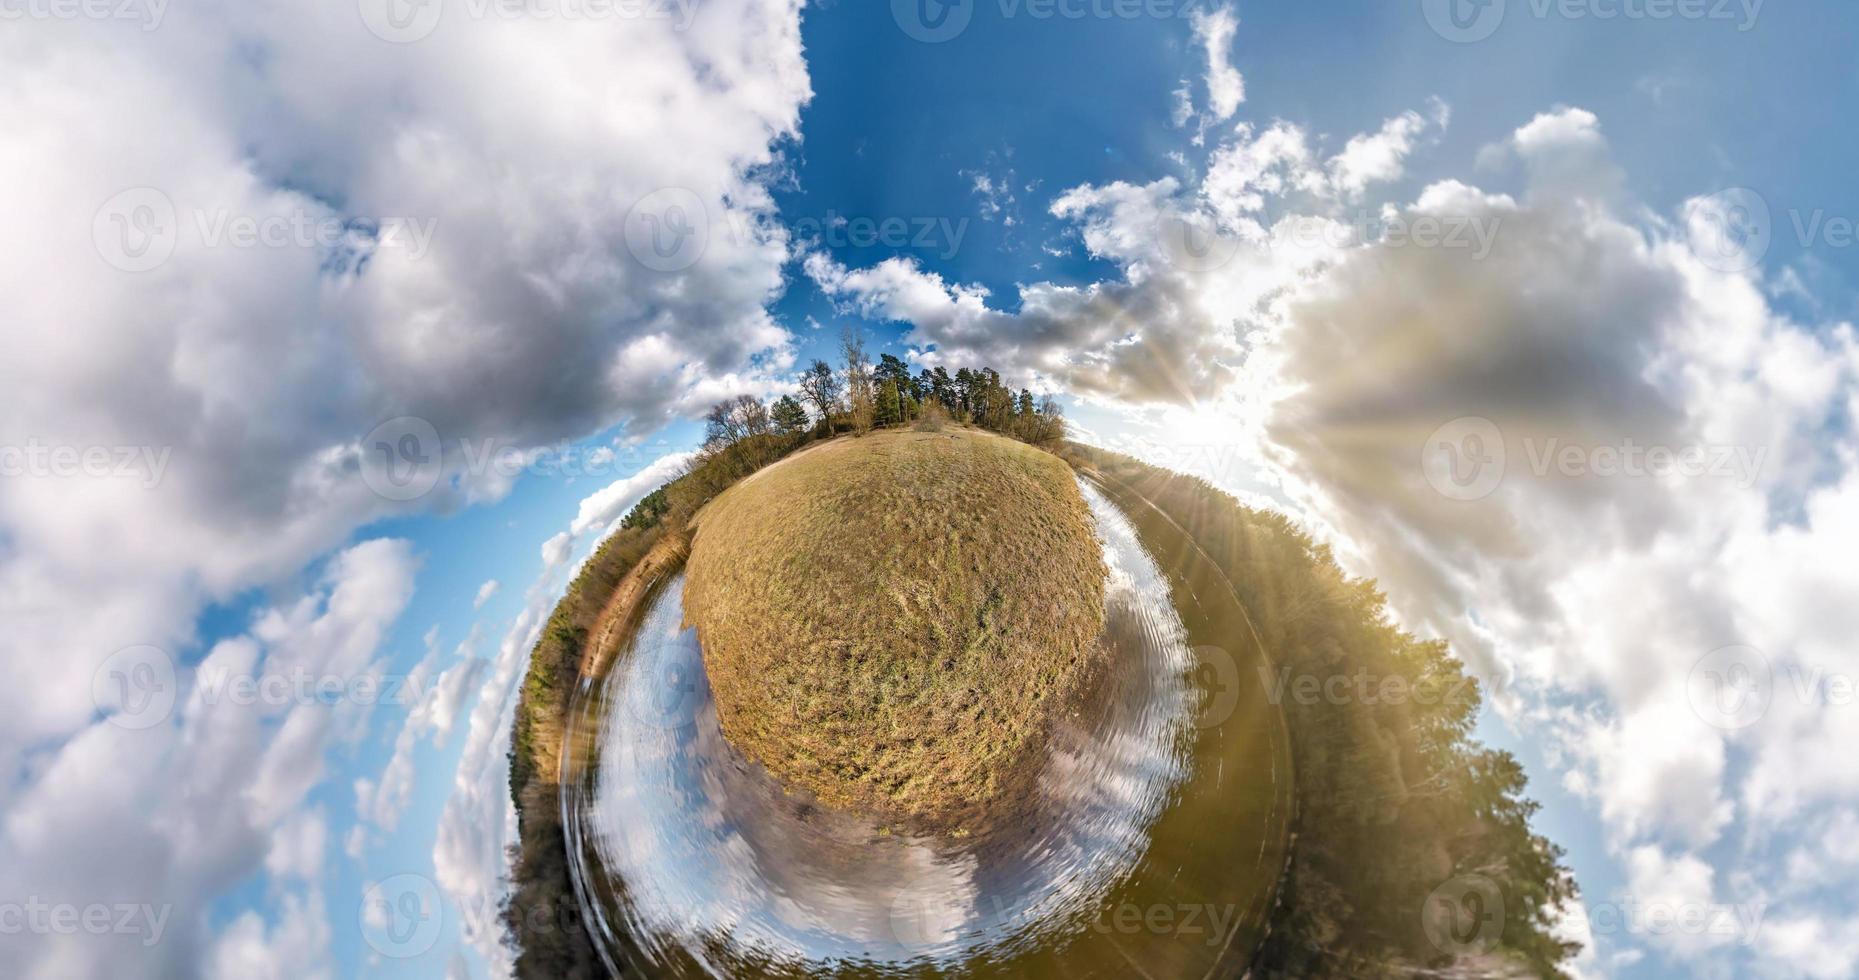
(599, 510)
(252, 372)
(258, 370)
(1380, 157)
(170, 815)
(1226, 88)
(296, 946)
(1584, 601)
(485, 592)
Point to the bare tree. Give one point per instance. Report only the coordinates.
(858, 378)
(820, 386)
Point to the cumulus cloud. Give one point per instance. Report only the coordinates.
(273, 232)
(1572, 326)
(169, 808)
(599, 510)
(1226, 88)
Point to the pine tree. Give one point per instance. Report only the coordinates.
(890, 409)
(790, 416)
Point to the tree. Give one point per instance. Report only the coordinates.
(821, 387)
(720, 425)
(964, 393)
(648, 512)
(734, 419)
(859, 392)
(943, 388)
(753, 416)
(789, 416)
(890, 410)
(894, 371)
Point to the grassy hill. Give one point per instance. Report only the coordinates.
(891, 622)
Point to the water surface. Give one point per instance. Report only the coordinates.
(1153, 841)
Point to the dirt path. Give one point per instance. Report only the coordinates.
(623, 606)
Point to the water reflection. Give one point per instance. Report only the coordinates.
(695, 862)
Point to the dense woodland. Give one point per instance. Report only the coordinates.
(1394, 799)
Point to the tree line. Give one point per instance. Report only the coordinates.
(860, 395)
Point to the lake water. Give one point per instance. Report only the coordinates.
(1152, 846)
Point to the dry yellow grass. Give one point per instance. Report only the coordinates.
(892, 622)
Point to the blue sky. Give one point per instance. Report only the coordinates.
(1024, 158)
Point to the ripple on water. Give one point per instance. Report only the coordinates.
(700, 862)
